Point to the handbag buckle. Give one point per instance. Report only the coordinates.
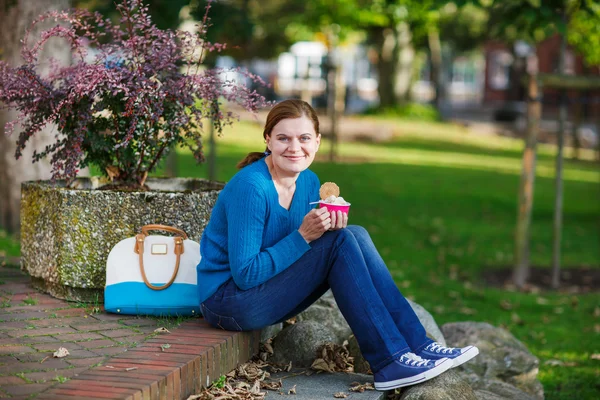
(159, 249)
(139, 244)
(178, 245)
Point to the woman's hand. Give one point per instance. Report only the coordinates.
(339, 220)
(314, 224)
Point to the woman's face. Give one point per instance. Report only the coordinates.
(293, 144)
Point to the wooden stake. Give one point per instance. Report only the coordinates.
(525, 201)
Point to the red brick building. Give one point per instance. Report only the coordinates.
(498, 75)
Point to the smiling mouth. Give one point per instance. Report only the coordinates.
(295, 158)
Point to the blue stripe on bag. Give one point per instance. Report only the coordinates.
(136, 298)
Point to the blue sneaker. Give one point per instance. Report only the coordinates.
(435, 351)
(409, 369)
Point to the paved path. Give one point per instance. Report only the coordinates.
(324, 386)
(110, 356)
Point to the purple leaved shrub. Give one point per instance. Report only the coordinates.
(131, 95)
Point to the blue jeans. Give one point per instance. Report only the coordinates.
(346, 261)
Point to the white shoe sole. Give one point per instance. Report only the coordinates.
(413, 380)
(466, 356)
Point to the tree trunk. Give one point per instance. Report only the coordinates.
(212, 153)
(387, 60)
(405, 54)
(534, 111)
(435, 51)
(598, 139)
(15, 18)
(577, 119)
(558, 181)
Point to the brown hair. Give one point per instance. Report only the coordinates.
(286, 109)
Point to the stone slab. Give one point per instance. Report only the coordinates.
(323, 386)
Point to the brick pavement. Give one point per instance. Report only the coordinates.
(110, 356)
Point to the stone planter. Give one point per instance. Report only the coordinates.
(67, 233)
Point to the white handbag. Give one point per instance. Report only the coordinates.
(153, 274)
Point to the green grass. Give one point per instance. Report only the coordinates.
(417, 111)
(60, 379)
(440, 204)
(9, 246)
(30, 301)
(170, 323)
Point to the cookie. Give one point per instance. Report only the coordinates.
(329, 189)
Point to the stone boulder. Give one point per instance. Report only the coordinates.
(299, 342)
(504, 366)
(270, 331)
(326, 312)
(448, 385)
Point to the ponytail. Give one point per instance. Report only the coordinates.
(252, 157)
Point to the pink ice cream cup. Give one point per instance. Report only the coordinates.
(335, 207)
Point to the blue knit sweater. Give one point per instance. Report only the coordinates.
(250, 236)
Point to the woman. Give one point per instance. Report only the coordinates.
(267, 256)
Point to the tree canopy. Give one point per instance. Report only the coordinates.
(536, 20)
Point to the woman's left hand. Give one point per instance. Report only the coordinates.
(339, 220)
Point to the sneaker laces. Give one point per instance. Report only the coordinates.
(438, 348)
(413, 359)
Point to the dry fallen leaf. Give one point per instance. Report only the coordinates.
(112, 172)
(273, 385)
(61, 352)
(255, 389)
(542, 301)
(514, 317)
(439, 309)
(506, 305)
(333, 358)
(268, 347)
(595, 356)
(357, 387)
(164, 346)
(321, 365)
(292, 390)
(560, 363)
(467, 311)
(243, 383)
(340, 395)
(231, 374)
(162, 330)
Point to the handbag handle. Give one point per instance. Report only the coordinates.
(139, 248)
(157, 227)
